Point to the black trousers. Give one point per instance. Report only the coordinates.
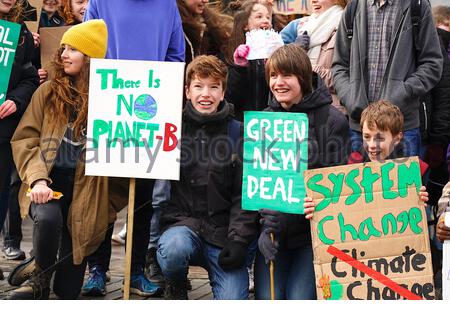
(52, 243)
(6, 164)
(12, 229)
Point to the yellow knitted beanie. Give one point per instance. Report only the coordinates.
(90, 38)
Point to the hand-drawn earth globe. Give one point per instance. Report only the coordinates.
(145, 107)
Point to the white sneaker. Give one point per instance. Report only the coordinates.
(118, 240)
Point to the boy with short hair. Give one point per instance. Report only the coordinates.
(382, 132)
(203, 222)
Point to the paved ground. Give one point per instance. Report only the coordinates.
(201, 289)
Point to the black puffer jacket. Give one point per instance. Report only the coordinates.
(247, 88)
(329, 145)
(207, 199)
(23, 81)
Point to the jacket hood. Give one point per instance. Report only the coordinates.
(320, 96)
(224, 111)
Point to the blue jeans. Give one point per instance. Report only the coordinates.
(410, 142)
(294, 275)
(179, 247)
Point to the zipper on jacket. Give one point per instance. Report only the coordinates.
(425, 115)
(388, 65)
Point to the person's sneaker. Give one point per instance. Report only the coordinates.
(118, 239)
(13, 253)
(95, 286)
(140, 285)
(152, 268)
(22, 272)
(176, 290)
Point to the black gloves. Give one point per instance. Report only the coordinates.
(267, 248)
(303, 40)
(272, 221)
(233, 255)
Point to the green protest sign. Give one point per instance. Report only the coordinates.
(275, 156)
(9, 37)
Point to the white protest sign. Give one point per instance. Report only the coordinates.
(262, 43)
(446, 264)
(134, 120)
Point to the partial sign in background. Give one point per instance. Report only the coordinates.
(32, 14)
(288, 7)
(369, 232)
(275, 157)
(9, 37)
(134, 120)
(50, 43)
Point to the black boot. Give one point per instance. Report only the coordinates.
(152, 268)
(36, 288)
(1, 274)
(176, 290)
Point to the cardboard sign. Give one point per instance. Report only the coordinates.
(275, 157)
(50, 43)
(288, 7)
(9, 38)
(369, 232)
(134, 120)
(32, 14)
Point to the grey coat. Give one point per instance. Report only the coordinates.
(404, 80)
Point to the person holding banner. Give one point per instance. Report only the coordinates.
(442, 231)
(48, 150)
(203, 222)
(297, 89)
(21, 83)
(159, 38)
(317, 35)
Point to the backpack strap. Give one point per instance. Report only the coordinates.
(350, 16)
(416, 10)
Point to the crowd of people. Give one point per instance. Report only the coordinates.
(372, 76)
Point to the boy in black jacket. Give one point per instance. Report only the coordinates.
(203, 223)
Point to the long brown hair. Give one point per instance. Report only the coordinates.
(243, 10)
(16, 12)
(217, 25)
(67, 97)
(65, 12)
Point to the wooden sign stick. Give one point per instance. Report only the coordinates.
(272, 271)
(129, 248)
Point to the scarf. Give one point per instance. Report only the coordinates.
(320, 28)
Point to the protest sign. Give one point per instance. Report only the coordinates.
(446, 263)
(369, 232)
(9, 37)
(275, 156)
(134, 119)
(262, 43)
(287, 7)
(50, 43)
(32, 14)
